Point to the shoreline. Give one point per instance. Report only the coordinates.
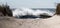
(52, 22)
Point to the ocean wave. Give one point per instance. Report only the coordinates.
(29, 11)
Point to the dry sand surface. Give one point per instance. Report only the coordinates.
(10, 22)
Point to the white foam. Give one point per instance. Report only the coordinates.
(25, 11)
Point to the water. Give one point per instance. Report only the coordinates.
(31, 12)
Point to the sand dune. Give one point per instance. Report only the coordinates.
(10, 22)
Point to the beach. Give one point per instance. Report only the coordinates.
(10, 16)
(11, 22)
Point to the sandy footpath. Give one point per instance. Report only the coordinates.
(10, 22)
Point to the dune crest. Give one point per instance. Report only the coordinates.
(10, 22)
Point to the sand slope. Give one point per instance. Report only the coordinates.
(10, 22)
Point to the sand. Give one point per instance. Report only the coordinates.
(10, 22)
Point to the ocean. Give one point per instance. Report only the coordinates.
(33, 12)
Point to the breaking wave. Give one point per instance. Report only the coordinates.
(33, 11)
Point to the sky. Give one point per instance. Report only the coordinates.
(30, 3)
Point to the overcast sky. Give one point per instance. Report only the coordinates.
(31, 3)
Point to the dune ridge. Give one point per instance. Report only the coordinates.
(10, 22)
